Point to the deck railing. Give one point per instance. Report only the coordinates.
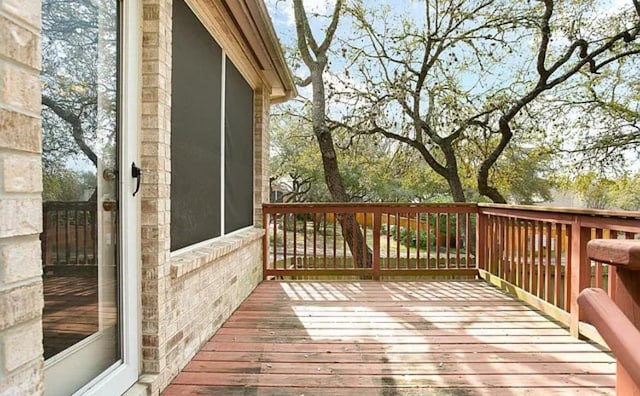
(69, 235)
(540, 254)
(401, 240)
(536, 253)
(617, 317)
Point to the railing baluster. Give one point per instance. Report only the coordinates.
(509, 249)
(388, 236)
(324, 240)
(517, 252)
(597, 282)
(335, 237)
(94, 234)
(503, 247)
(567, 268)
(57, 213)
(547, 268)
(418, 239)
(408, 241)
(305, 230)
(532, 266)
(481, 241)
(428, 240)
(284, 238)
(377, 224)
(295, 241)
(558, 283)
(539, 265)
(275, 240)
(457, 240)
(45, 237)
(438, 234)
(467, 240)
(315, 240)
(344, 240)
(365, 253)
(397, 227)
(525, 258)
(85, 233)
(493, 234)
(77, 239)
(448, 241)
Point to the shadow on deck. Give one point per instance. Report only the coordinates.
(392, 338)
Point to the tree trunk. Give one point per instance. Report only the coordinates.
(351, 232)
(315, 57)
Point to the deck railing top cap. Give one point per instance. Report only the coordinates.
(565, 210)
(624, 253)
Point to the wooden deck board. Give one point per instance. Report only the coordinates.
(392, 338)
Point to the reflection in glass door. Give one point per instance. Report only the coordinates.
(80, 118)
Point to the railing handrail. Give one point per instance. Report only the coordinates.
(616, 317)
(470, 205)
(382, 205)
(564, 210)
(617, 330)
(69, 205)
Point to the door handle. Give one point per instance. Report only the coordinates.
(109, 205)
(137, 174)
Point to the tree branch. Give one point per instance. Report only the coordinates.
(76, 127)
(331, 30)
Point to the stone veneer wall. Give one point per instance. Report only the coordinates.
(21, 301)
(185, 298)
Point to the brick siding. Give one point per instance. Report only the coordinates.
(21, 301)
(185, 299)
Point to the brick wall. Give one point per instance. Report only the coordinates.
(21, 301)
(155, 203)
(261, 142)
(185, 299)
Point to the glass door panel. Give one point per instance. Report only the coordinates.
(80, 197)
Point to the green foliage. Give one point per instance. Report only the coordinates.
(373, 169)
(599, 192)
(67, 185)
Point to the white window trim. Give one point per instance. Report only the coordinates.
(223, 119)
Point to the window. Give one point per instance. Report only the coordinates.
(238, 148)
(211, 168)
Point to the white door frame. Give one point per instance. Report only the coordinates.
(124, 373)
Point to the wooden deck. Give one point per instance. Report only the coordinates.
(392, 338)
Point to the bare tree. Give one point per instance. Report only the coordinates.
(79, 73)
(470, 76)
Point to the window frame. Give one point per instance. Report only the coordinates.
(222, 164)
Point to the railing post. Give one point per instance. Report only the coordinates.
(481, 239)
(580, 271)
(377, 224)
(265, 244)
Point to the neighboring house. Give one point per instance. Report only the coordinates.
(564, 199)
(111, 292)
